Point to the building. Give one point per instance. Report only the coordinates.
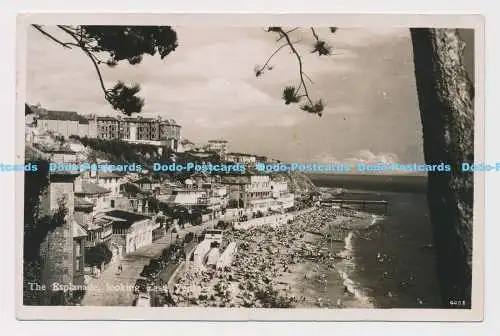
(156, 131)
(186, 196)
(140, 130)
(66, 123)
(186, 146)
(93, 193)
(62, 155)
(250, 191)
(280, 192)
(99, 227)
(259, 193)
(76, 146)
(108, 128)
(132, 230)
(108, 180)
(218, 146)
(62, 251)
(236, 185)
(147, 183)
(241, 158)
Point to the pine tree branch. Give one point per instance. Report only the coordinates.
(314, 34)
(261, 69)
(299, 60)
(53, 38)
(288, 32)
(95, 61)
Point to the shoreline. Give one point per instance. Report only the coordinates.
(304, 263)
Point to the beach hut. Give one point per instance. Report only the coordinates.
(212, 257)
(227, 256)
(201, 251)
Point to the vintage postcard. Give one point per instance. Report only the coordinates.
(250, 167)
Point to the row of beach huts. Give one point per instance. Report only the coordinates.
(208, 252)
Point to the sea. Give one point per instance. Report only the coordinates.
(390, 263)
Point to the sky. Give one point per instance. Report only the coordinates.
(209, 87)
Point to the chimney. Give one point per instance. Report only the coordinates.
(78, 184)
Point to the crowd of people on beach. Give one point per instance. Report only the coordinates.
(260, 273)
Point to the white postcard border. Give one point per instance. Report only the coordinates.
(250, 314)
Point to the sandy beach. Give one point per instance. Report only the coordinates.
(301, 263)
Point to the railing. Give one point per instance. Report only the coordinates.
(97, 241)
(363, 203)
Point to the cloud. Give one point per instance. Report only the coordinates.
(219, 103)
(363, 156)
(368, 157)
(324, 157)
(364, 37)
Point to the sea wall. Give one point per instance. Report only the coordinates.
(268, 220)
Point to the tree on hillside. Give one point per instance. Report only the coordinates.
(445, 95)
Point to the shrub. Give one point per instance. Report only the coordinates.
(97, 255)
(189, 237)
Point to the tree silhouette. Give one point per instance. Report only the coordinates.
(292, 94)
(118, 43)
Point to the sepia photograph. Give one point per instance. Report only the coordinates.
(249, 169)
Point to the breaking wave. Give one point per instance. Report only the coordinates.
(346, 269)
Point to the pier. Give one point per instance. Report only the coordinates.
(363, 204)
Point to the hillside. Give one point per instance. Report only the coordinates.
(117, 151)
(300, 183)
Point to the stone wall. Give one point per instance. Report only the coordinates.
(56, 253)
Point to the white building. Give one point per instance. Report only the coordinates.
(218, 146)
(93, 193)
(110, 181)
(186, 146)
(258, 193)
(241, 158)
(282, 195)
(131, 230)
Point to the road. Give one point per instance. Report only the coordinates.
(113, 289)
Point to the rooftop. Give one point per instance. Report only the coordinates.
(235, 179)
(59, 151)
(92, 189)
(242, 154)
(62, 115)
(78, 231)
(126, 218)
(83, 203)
(108, 175)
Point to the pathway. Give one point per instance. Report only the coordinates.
(113, 289)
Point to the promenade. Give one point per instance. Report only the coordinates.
(113, 289)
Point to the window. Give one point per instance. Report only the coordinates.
(77, 264)
(112, 203)
(78, 249)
